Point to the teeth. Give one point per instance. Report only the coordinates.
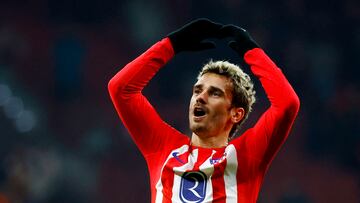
(199, 112)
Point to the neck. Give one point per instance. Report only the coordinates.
(209, 141)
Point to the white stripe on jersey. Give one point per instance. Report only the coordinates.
(192, 159)
(208, 169)
(230, 174)
(159, 186)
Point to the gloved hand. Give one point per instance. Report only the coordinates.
(241, 41)
(190, 37)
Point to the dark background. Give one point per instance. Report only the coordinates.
(62, 141)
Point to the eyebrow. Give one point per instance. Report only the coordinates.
(212, 88)
(197, 86)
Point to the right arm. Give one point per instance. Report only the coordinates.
(150, 133)
(147, 129)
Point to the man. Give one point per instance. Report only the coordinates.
(207, 167)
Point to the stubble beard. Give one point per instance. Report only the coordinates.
(198, 128)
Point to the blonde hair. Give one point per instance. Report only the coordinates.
(243, 93)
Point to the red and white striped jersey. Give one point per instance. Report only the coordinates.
(180, 172)
(198, 175)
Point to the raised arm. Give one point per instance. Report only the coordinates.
(269, 133)
(145, 126)
(147, 129)
(273, 127)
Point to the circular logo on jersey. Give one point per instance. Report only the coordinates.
(193, 187)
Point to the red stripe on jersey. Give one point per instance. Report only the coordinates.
(217, 179)
(167, 177)
(203, 155)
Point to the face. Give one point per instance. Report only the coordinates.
(210, 106)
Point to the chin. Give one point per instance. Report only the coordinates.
(198, 129)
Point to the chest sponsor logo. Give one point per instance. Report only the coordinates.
(193, 187)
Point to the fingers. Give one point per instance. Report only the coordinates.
(206, 45)
(230, 31)
(192, 35)
(209, 28)
(206, 28)
(206, 23)
(203, 46)
(233, 44)
(227, 31)
(212, 26)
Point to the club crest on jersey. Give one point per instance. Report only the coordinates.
(193, 187)
(218, 160)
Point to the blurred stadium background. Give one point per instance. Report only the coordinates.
(62, 141)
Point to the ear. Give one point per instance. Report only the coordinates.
(237, 114)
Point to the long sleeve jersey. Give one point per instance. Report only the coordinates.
(180, 172)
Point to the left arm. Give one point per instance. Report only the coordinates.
(273, 127)
(269, 133)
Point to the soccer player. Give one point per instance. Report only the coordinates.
(210, 166)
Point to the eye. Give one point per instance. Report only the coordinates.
(196, 91)
(216, 93)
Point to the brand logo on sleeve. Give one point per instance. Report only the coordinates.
(175, 155)
(193, 187)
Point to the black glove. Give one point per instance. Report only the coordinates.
(241, 41)
(190, 37)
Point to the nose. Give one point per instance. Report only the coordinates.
(201, 98)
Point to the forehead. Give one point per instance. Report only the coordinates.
(215, 80)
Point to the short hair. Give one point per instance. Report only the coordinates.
(243, 92)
